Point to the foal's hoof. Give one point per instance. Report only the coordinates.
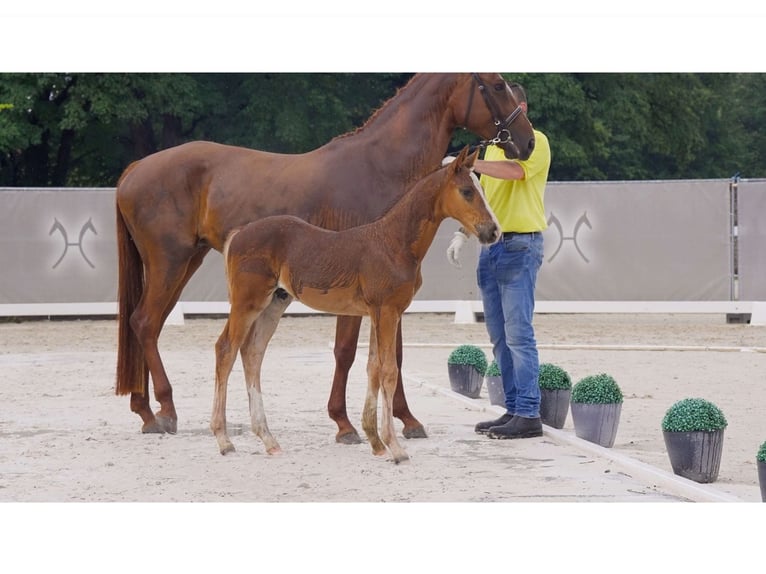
(227, 449)
(348, 437)
(414, 432)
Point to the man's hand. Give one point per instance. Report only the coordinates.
(453, 251)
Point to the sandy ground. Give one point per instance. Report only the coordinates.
(65, 436)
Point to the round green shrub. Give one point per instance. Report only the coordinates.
(761, 456)
(469, 355)
(493, 370)
(553, 378)
(599, 389)
(693, 414)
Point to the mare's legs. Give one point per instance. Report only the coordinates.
(163, 285)
(385, 329)
(412, 427)
(252, 352)
(346, 338)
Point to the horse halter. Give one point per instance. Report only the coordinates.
(503, 132)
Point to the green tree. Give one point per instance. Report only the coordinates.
(294, 113)
(72, 129)
(84, 129)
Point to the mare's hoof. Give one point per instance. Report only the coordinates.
(402, 459)
(348, 437)
(414, 432)
(167, 424)
(152, 428)
(227, 449)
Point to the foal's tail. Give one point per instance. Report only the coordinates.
(226, 246)
(132, 372)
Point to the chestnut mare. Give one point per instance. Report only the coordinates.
(371, 270)
(177, 204)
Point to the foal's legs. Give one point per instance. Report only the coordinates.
(225, 354)
(253, 351)
(346, 338)
(164, 283)
(237, 328)
(370, 411)
(385, 327)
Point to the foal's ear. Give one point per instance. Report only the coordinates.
(472, 158)
(460, 161)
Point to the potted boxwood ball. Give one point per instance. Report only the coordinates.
(466, 366)
(760, 459)
(596, 406)
(693, 431)
(555, 393)
(494, 382)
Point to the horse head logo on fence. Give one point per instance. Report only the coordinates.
(88, 226)
(554, 221)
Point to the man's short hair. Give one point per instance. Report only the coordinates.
(518, 91)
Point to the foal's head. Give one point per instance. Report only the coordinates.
(463, 199)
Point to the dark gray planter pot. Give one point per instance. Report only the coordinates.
(596, 422)
(554, 406)
(695, 455)
(762, 479)
(465, 379)
(495, 390)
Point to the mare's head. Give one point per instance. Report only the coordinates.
(484, 104)
(463, 199)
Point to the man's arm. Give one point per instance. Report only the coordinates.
(507, 169)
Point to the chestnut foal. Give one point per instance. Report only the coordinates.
(371, 270)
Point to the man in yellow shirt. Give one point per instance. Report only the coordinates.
(507, 274)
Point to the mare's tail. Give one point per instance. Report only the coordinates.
(132, 372)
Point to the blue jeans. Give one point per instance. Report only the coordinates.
(506, 275)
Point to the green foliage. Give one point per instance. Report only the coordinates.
(761, 455)
(493, 370)
(552, 377)
(469, 355)
(693, 414)
(85, 128)
(599, 389)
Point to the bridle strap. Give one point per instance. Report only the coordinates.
(470, 104)
(503, 133)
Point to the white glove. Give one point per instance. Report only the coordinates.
(453, 251)
(448, 159)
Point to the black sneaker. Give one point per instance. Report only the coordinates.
(483, 427)
(518, 427)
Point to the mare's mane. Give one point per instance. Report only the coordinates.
(402, 91)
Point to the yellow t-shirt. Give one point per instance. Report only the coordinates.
(519, 203)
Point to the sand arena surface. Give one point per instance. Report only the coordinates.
(67, 437)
